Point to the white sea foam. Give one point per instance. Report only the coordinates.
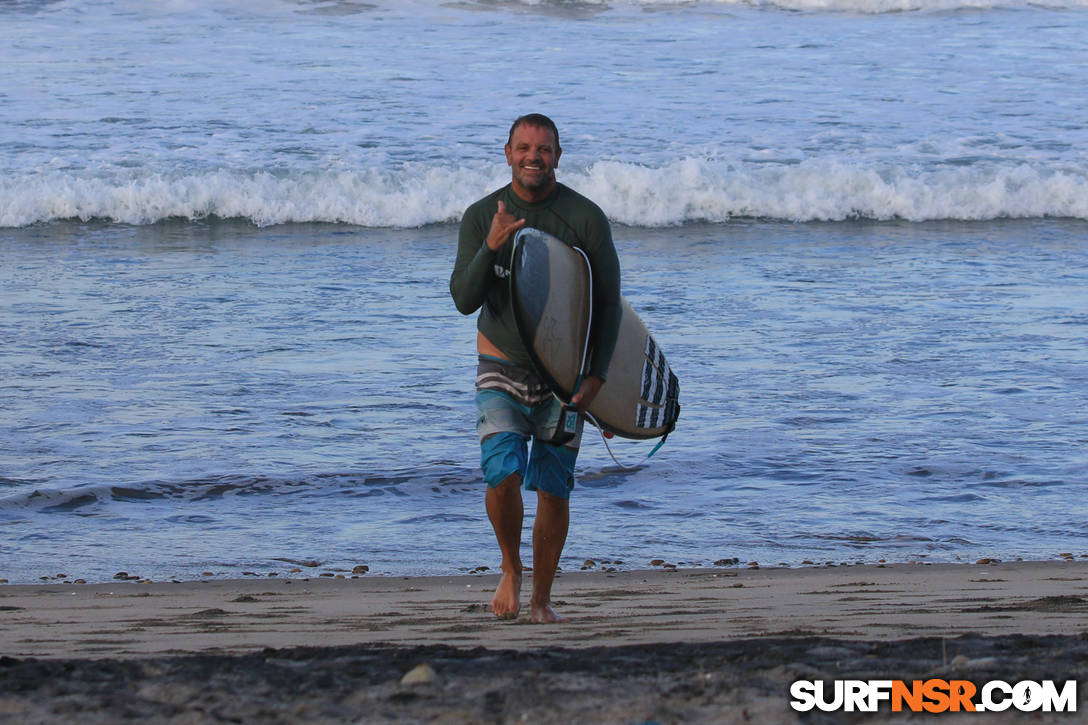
(818, 190)
(374, 198)
(686, 190)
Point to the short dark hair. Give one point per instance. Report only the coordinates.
(534, 119)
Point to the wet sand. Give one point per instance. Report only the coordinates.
(717, 645)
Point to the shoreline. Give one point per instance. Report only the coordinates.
(233, 616)
(686, 646)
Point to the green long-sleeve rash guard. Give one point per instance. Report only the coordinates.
(479, 280)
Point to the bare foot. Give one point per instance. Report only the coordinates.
(507, 601)
(544, 614)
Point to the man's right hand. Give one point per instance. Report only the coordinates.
(503, 224)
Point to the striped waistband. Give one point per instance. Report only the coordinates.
(522, 385)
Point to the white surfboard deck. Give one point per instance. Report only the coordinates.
(550, 289)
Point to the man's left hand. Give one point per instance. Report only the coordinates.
(586, 393)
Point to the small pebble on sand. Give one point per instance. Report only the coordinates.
(420, 675)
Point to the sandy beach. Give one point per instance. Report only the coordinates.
(707, 645)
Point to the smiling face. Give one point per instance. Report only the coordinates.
(533, 155)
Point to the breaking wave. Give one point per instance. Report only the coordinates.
(686, 190)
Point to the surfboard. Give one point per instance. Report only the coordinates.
(551, 290)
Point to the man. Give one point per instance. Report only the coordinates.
(514, 405)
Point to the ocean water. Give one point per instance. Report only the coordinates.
(859, 229)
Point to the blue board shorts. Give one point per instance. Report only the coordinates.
(513, 406)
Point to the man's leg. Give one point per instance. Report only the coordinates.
(504, 509)
(549, 537)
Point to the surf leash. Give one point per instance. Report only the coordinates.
(624, 466)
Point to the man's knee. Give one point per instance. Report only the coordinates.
(551, 501)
